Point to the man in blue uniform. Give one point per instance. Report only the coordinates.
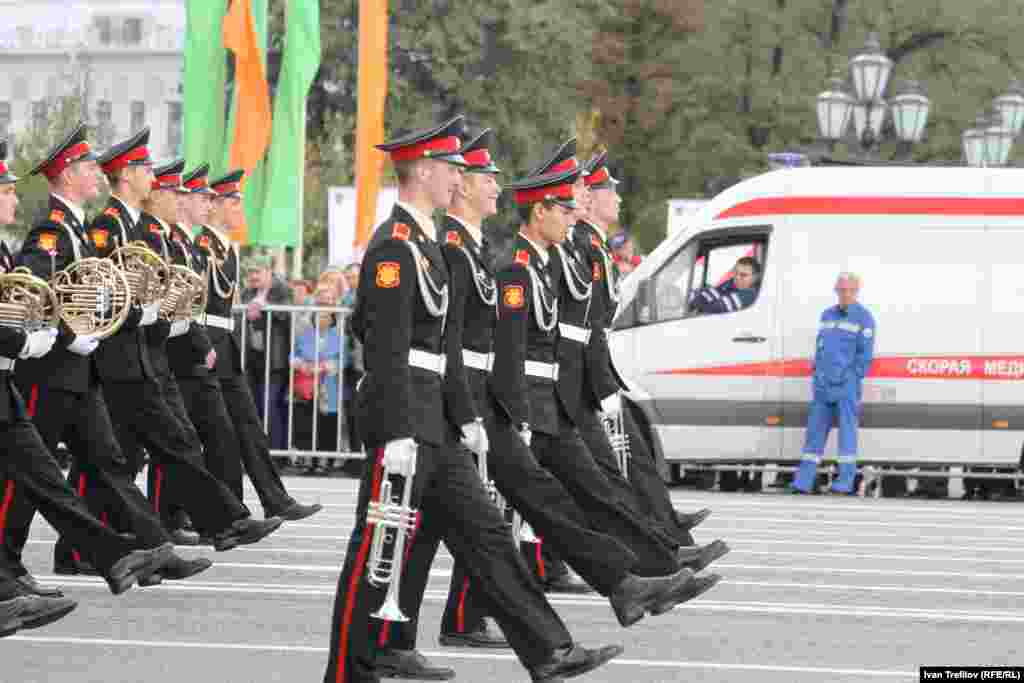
(735, 294)
(845, 347)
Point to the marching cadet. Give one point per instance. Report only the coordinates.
(603, 384)
(400, 315)
(64, 398)
(253, 444)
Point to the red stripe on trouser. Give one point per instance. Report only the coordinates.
(156, 488)
(357, 575)
(385, 630)
(5, 506)
(81, 494)
(460, 613)
(541, 572)
(33, 399)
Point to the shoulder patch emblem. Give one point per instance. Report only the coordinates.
(48, 241)
(512, 296)
(868, 332)
(204, 242)
(57, 216)
(597, 273)
(453, 237)
(594, 242)
(111, 211)
(522, 258)
(401, 231)
(99, 238)
(388, 274)
(154, 228)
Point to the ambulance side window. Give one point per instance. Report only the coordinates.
(669, 288)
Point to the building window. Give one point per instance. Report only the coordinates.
(39, 115)
(104, 125)
(174, 127)
(103, 26)
(138, 116)
(132, 32)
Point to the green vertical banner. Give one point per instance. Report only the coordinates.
(205, 73)
(281, 216)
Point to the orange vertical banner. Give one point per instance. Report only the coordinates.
(251, 136)
(373, 89)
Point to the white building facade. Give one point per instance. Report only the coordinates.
(126, 57)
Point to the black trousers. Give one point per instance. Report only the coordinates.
(99, 469)
(254, 446)
(453, 507)
(645, 491)
(31, 474)
(208, 412)
(144, 417)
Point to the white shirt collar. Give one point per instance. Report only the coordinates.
(474, 231)
(425, 222)
(77, 211)
(133, 213)
(544, 256)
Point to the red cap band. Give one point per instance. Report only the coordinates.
(597, 177)
(196, 183)
(65, 159)
(227, 188)
(117, 163)
(3, 168)
(541, 194)
(435, 147)
(478, 157)
(167, 182)
(569, 164)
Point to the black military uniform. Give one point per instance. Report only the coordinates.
(253, 444)
(399, 317)
(64, 400)
(602, 380)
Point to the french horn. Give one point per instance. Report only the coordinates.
(93, 297)
(186, 295)
(148, 275)
(27, 302)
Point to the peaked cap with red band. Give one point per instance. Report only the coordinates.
(599, 176)
(550, 187)
(564, 159)
(168, 176)
(72, 149)
(196, 180)
(6, 177)
(478, 156)
(130, 152)
(441, 143)
(230, 186)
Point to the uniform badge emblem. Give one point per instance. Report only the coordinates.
(154, 228)
(388, 274)
(48, 241)
(512, 296)
(112, 211)
(594, 242)
(57, 216)
(523, 257)
(401, 231)
(99, 238)
(868, 332)
(204, 242)
(597, 273)
(453, 238)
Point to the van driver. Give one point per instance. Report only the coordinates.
(735, 294)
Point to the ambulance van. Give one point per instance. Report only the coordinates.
(941, 254)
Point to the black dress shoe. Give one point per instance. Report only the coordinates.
(689, 520)
(635, 595)
(182, 537)
(137, 564)
(483, 637)
(393, 663)
(567, 583)
(695, 587)
(698, 557)
(33, 587)
(179, 568)
(574, 660)
(32, 611)
(245, 531)
(297, 511)
(74, 567)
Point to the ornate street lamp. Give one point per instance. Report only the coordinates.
(910, 112)
(870, 70)
(1011, 107)
(998, 140)
(973, 143)
(834, 108)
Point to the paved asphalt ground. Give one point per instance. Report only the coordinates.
(816, 589)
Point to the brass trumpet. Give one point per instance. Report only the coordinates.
(393, 520)
(27, 302)
(93, 297)
(148, 275)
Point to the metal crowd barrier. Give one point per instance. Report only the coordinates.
(300, 319)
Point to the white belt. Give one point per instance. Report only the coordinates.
(574, 332)
(434, 362)
(535, 368)
(6, 363)
(221, 322)
(477, 360)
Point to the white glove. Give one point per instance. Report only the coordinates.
(38, 343)
(612, 405)
(149, 314)
(83, 345)
(527, 435)
(400, 457)
(179, 327)
(474, 437)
